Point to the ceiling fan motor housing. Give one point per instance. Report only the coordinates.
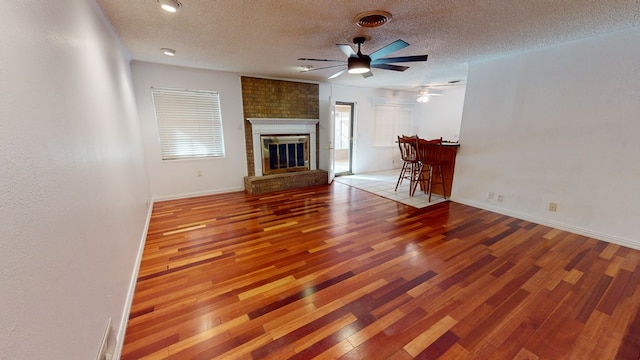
(358, 65)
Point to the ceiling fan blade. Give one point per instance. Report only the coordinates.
(311, 59)
(337, 74)
(386, 50)
(442, 85)
(390, 67)
(321, 68)
(347, 50)
(367, 74)
(399, 59)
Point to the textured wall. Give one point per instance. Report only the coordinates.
(194, 177)
(73, 181)
(265, 98)
(537, 129)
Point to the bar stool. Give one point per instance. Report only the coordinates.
(430, 156)
(411, 166)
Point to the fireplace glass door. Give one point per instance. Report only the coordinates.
(284, 153)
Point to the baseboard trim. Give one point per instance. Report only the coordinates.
(124, 320)
(195, 194)
(554, 224)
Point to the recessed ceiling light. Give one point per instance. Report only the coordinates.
(306, 67)
(169, 5)
(168, 52)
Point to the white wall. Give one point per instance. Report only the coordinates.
(73, 188)
(441, 116)
(179, 178)
(366, 157)
(559, 124)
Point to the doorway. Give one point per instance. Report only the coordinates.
(343, 138)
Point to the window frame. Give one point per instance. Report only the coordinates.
(390, 121)
(194, 115)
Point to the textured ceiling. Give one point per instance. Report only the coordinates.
(266, 37)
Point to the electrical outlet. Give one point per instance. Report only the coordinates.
(553, 206)
(501, 198)
(199, 172)
(491, 195)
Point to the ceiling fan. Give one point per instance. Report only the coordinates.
(359, 63)
(425, 92)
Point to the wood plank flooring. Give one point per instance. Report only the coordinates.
(334, 272)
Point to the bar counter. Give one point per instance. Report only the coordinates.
(449, 151)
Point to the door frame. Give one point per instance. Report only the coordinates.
(352, 116)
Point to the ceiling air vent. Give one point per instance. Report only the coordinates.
(373, 18)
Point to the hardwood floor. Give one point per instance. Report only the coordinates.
(333, 272)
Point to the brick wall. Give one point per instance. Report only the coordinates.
(256, 185)
(265, 98)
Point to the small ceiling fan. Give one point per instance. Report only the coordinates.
(359, 63)
(425, 92)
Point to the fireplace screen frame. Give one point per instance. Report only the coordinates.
(282, 153)
(265, 126)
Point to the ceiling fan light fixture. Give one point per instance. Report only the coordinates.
(169, 5)
(358, 65)
(423, 98)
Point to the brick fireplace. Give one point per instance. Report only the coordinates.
(288, 140)
(283, 112)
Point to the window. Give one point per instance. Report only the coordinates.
(392, 120)
(189, 123)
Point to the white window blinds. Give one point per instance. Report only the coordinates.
(392, 120)
(189, 123)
